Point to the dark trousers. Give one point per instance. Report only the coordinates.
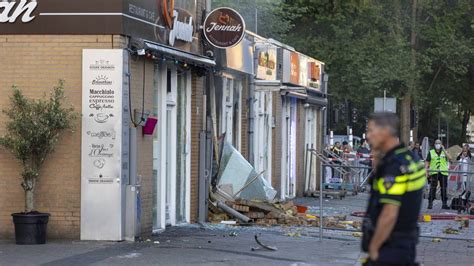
(400, 252)
(443, 183)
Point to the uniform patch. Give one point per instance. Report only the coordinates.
(388, 182)
(404, 169)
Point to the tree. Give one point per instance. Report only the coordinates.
(32, 133)
(360, 42)
(411, 48)
(447, 54)
(259, 15)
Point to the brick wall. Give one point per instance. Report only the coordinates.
(300, 148)
(44, 60)
(244, 148)
(196, 128)
(144, 143)
(35, 64)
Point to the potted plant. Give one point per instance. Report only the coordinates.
(32, 132)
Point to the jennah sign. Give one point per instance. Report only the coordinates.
(11, 11)
(224, 27)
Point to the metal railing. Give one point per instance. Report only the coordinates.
(337, 164)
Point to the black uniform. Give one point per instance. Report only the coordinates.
(399, 179)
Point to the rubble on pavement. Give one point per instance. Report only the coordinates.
(278, 213)
(242, 195)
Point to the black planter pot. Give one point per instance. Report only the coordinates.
(30, 229)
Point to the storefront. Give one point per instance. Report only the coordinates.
(261, 113)
(235, 69)
(301, 120)
(144, 59)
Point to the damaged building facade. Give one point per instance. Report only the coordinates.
(277, 109)
(173, 99)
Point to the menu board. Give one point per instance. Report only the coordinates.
(104, 151)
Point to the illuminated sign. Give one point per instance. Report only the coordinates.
(224, 28)
(11, 11)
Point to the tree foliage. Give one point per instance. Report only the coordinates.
(260, 15)
(33, 130)
(366, 46)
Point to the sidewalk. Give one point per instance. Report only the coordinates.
(191, 245)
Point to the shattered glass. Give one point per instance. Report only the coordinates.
(238, 179)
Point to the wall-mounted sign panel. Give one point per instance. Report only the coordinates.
(291, 67)
(240, 57)
(104, 149)
(303, 74)
(224, 27)
(294, 68)
(266, 62)
(314, 72)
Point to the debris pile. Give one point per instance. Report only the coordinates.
(240, 195)
(279, 213)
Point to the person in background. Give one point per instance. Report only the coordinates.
(437, 172)
(464, 152)
(464, 159)
(364, 154)
(346, 148)
(337, 149)
(411, 145)
(417, 150)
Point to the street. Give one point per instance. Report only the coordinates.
(215, 244)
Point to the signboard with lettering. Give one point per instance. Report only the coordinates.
(267, 62)
(224, 27)
(294, 68)
(104, 150)
(314, 72)
(164, 21)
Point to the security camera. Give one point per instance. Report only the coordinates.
(210, 53)
(141, 52)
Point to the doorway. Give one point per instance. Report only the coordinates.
(171, 147)
(231, 111)
(288, 166)
(311, 137)
(263, 134)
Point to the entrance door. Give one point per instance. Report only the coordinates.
(263, 134)
(288, 170)
(231, 111)
(310, 142)
(171, 147)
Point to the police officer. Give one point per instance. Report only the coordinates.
(437, 163)
(390, 230)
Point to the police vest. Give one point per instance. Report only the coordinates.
(438, 162)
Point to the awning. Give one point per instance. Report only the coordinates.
(293, 91)
(176, 54)
(317, 101)
(316, 97)
(267, 85)
(309, 95)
